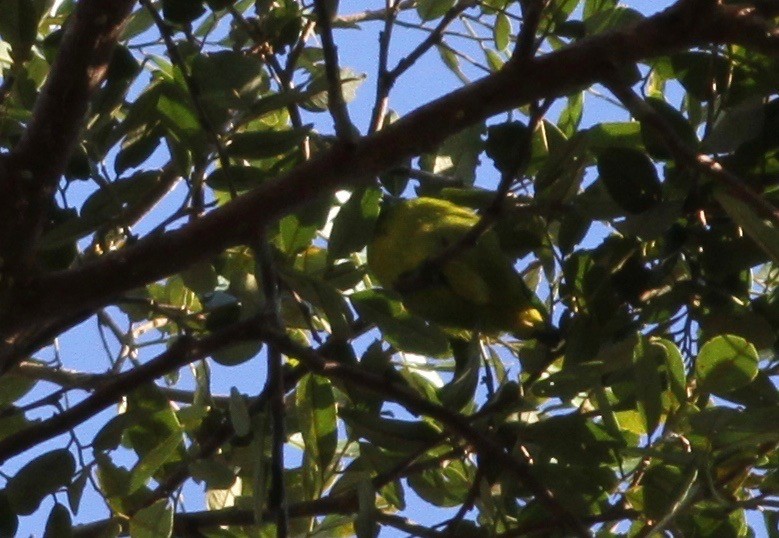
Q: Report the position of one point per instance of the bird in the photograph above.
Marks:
(476, 289)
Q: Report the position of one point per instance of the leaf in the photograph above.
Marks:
(443, 486)
(182, 11)
(155, 521)
(402, 436)
(317, 90)
(402, 329)
(354, 224)
(630, 178)
(76, 490)
(571, 116)
(612, 19)
(726, 363)
(762, 231)
(674, 369)
(607, 135)
(13, 387)
(501, 31)
(153, 421)
(265, 144)
(432, 9)
(660, 488)
(119, 196)
(315, 404)
(239, 414)
(18, 26)
(9, 522)
(507, 145)
(215, 473)
(38, 478)
(228, 78)
(648, 357)
(238, 178)
(58, 525)
(736, 125)
(704, 75)
(365, 525)
(457, 156)
(151, 462)
(654, 141)
(461, 389)
(235, 354)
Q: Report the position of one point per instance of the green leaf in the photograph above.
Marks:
(236, 354)
(354, 224)
(19, 26)
(365, 524)
(317, 90)
(401, 436)
(674, 369)
(655, 142)
(571, 116)
(121, 195)
(155, 521)
(501, 31)
(604, 136)
(58, 525)
(182, 11)
(726, 363)
(461, 389)
(648, 357)
(607, 20)
(151, 462)
(239, 414)
(266, 144)
(630, 178)
(13, 387)
(764, 232)
(591, 7)
(315, 404)
(153, 421)
(736, 125)
(508, 145)
(215, 473)
(228, 78)
(457, 156)
(443, 486)
(570, 381)
(660, 488)
(451, 61)
(9, 521)
(40, 477)
(238, 178)
(76, 490)
(703, 75)
(402, 329)
(432, 9)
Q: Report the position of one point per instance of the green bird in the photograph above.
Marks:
(477, 289)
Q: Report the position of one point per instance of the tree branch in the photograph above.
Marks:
(185, 350)
(344, 129)
(29, 175)
(49, 302)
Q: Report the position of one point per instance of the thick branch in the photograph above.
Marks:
(29, 176)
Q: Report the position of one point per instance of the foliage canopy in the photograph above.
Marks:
(193, 176)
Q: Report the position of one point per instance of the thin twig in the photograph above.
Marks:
(383, 83)
(274, 386)
(344, 129)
